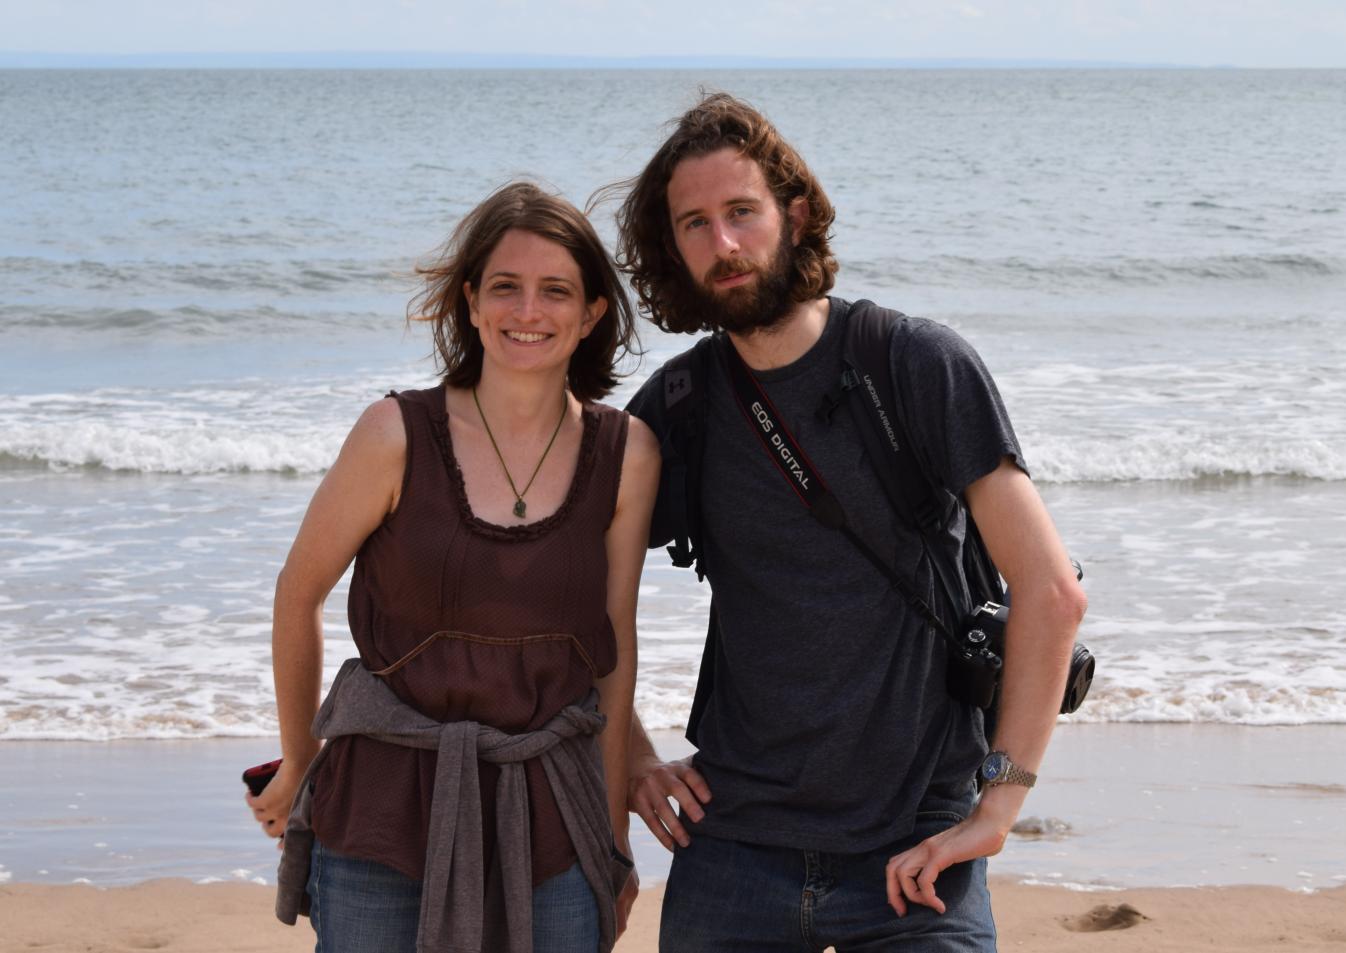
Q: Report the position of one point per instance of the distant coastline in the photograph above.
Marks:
(427, 60)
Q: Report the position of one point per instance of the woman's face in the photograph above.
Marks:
(529, 308)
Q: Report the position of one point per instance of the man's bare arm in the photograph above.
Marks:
(1048, 607)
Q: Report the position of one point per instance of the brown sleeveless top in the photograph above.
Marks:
(526, 612)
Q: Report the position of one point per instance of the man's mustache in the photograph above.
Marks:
(730, 268)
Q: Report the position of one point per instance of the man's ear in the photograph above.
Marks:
(798, 213)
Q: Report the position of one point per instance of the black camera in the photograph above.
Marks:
(975, 661)
(973, 675)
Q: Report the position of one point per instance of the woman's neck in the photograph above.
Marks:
(520, 402)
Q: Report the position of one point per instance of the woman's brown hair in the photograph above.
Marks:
(525, 207)
(645, 248)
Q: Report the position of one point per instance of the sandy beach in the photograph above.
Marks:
(235, 918)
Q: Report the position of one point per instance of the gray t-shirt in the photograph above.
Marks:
(828, 725)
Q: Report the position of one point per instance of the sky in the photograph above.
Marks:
(1252, 33)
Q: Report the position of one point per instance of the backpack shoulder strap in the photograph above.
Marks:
(685, 381)
(682, 450)
(872, 334)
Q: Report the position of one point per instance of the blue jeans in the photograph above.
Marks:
(727, 896)
(359, 906)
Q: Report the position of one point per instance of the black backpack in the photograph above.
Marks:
(865, 385)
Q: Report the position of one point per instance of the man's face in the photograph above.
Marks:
(736, 244)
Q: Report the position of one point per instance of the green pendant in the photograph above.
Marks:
(520, 508)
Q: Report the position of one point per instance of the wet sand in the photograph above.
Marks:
(1121, 805)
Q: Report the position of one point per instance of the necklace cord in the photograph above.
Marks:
(520, 507)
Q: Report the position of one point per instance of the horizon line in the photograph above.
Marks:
(422, 59)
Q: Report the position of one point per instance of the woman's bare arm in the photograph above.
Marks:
(355, 496)
(625, 542)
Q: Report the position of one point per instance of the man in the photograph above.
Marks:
(832, 798)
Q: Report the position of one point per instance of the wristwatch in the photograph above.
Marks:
(997, 768)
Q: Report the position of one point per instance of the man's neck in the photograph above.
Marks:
(766, 349)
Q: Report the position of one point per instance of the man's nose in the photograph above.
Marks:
(726, 244)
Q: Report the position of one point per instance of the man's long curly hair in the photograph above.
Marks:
(645, 248)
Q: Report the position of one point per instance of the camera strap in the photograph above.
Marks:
(794, 465)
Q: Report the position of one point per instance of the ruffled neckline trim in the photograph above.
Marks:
(439, 426)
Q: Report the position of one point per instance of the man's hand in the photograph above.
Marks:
(912, 873)
(648, 791)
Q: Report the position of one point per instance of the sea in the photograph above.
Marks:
(204, 278)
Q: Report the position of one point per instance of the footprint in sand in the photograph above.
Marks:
(1104, 917)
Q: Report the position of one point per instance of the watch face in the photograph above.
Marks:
(994, 767)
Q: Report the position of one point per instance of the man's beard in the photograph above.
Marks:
(751, 307)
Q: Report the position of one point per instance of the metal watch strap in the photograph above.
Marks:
(1013, 773)
(1018, 775)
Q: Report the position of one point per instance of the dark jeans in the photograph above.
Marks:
(359, 906)
(725, 896)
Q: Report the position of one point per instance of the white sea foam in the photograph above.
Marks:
(1207, 608)
(122, 699)
(292, 446)
(1182, 456)
(1054, 880)
(247, 426)
(167, 450)
(141, 609)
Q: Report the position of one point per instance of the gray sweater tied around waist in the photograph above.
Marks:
(462, 910)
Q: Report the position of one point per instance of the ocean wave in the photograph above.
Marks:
(1231, 704)
(277, 277)
(186, 449)
(1234, 703)
(1178, 457)
(235, 426)
(1075, 273)
(188, 321)
(665, 708)
(287, 446)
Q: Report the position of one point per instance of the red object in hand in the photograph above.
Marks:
(256, 777)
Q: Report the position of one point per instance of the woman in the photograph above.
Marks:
(498, 524)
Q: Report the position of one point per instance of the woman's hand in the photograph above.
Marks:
(271, 808)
